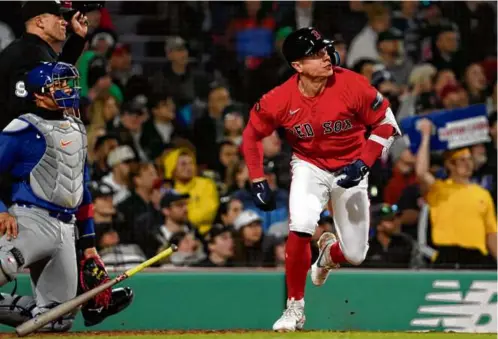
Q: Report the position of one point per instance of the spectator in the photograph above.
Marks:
(446, 54)
(175, 214)
(101, 113)
(391, 55)
(442, 79)
(280, 233)
(161, 128)
(364, 67)
(209, 128)
(389, 248)
(190, 250)
(403, 175)
(121, 67)
(229, 210)
(103, 146)
(280, 154)
(119, 161)
(252, 247)
(454, 204)
(454, 96)
(475, 83)
(484, 170)
(114, 254)
(363, 45)
(179, 78)
(220, 247)
(386, 84)
(130, 125)
(142, 179)
(233, 121)
(281, 212)
(237, 177)
(181, 168)
(409, 205)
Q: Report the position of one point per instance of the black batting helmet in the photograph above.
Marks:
(306, 41)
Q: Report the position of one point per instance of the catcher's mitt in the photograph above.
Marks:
(93, 274)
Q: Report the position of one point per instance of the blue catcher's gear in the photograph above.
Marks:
(57, 79)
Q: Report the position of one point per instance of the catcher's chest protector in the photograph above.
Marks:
(58, 176)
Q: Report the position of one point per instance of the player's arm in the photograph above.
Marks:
(84, 219)
(76, 43)
(262, 122)
(375, 112)
(422, 165)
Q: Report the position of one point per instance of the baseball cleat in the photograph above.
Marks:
(121, 299)
(293, 317)
(322, 266)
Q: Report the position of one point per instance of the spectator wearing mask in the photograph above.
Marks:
(463, 216)
(363, 45)
(119, 160)
(253, 248)
(391, 55)
(161, 128)
(281, 212)
(209, 129)
(142, 178)
(475, 83)
(229, 210)
(114, 254)
(389, 248)
(180, 167)
(220, 247)
(130, 125)
(190, 250)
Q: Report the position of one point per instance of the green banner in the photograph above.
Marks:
(350, 300)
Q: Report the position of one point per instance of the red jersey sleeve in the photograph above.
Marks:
(369, 103)
(263, 116)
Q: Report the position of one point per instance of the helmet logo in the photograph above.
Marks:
(316, 34)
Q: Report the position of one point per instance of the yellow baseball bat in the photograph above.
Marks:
(55, 313)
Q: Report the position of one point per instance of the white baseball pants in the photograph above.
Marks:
(311, 189)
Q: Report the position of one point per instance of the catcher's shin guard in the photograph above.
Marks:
(121, 299)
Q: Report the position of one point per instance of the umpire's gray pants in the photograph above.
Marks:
(48, 247)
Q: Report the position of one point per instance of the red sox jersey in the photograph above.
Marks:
(328, 130)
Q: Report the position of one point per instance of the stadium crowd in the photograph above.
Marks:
(164, 142)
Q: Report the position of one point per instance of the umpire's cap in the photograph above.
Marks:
(305, 42)
(32, 9)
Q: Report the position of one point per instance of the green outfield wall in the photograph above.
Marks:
(350, 300)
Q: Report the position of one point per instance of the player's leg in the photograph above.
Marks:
(352, 222)
(56, 282)
(308, 195)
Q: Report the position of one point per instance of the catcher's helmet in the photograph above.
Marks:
(306, 41)
(58, 79)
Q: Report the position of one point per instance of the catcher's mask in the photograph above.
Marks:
(58, 80)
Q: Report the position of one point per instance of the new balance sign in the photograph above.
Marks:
(449, 307)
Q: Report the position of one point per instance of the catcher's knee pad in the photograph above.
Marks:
(15, 309)
(11, 261)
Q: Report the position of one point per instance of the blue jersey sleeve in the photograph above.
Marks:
(84, 216)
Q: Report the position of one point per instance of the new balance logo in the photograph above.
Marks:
(449, 308)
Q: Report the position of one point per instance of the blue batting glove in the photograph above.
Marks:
(263, 196)
(354, 174)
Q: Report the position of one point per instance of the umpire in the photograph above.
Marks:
(44, 39)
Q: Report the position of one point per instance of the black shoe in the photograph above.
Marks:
(121, 298)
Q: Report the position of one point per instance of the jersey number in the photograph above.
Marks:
(21, 89)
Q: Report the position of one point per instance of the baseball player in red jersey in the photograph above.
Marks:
(337, 125)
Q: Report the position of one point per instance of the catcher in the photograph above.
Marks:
(45, 151)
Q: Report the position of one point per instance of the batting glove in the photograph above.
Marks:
(353, 174)
(263, 196)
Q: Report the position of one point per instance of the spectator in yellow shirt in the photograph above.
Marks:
(462, 214)
(180, 166)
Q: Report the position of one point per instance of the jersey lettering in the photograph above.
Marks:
(21, 89)
(304, 131)
(336, 126)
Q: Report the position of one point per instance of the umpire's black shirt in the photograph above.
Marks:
(21, 56)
